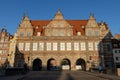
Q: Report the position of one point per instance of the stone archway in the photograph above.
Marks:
(37, 65)
(51, 64)
(80, 64)
(66, 64)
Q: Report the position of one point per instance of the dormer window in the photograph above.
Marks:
(78, 33)
(36, 27)
(38, 33)
(83, 26)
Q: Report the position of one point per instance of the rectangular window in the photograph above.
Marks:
(62, 46)
(5, 45)
(1, 45)
(35, 46)
(48, 46)
(115, 51)
(68, 46)
(76, 46)
(96, 33)
(83, 47)
(27, 46)
(97, 46)
(55, 46)
(0, 51)
(41, 46)
(38, 33)
(21, 45)
(90, 46)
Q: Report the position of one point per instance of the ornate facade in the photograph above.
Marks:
(4, 45)
(62, 44)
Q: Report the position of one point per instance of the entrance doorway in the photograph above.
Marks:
(80, 64)
(66, 64)
(37, 65)
(51, 64)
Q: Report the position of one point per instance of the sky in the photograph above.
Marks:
(11, 11)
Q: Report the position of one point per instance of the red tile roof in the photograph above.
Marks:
(77, 25)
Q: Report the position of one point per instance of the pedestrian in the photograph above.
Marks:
(100, 68)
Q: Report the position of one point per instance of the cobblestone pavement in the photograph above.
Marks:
(64, 75)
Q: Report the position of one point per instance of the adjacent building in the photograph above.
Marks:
(4, 45)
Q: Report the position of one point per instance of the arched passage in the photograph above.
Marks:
(37, 65)
(80, 64)
(66, 64)
(51, 64)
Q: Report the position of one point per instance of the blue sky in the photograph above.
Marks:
(11, 11)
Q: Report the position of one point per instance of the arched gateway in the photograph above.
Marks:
(51, 64)
(37, 65)
(66, 64)
(80, 64)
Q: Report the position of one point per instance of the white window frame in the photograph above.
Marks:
(55, 47)
(83, 46)
(76, 46)
(27, 46)
(41, 46)
(48, 46)
(62, 46)
(68, 46)
(21, 46)
(35, 46)
(90, 46)
(97, 46)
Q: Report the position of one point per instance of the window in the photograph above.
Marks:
(116, 58)
(21, 45)
(115, 51)
(5, 45)
(108, 47)
(54, 46)
(78, 33)
(27, 46)
(96, 33)
(68, 46)
(28, 34)
(38, 33)
(62, 33)
(97, 46)
(34, 46)
(83, 47)
(90, 46)
(0, 51)
(21, 34)
(62, 25)
(89, 33)
(55, 24)
(55, 33)
(41, 46)
(1, 45)
(62, 46)
(2, 39)
(76, 46)
(48, 46)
